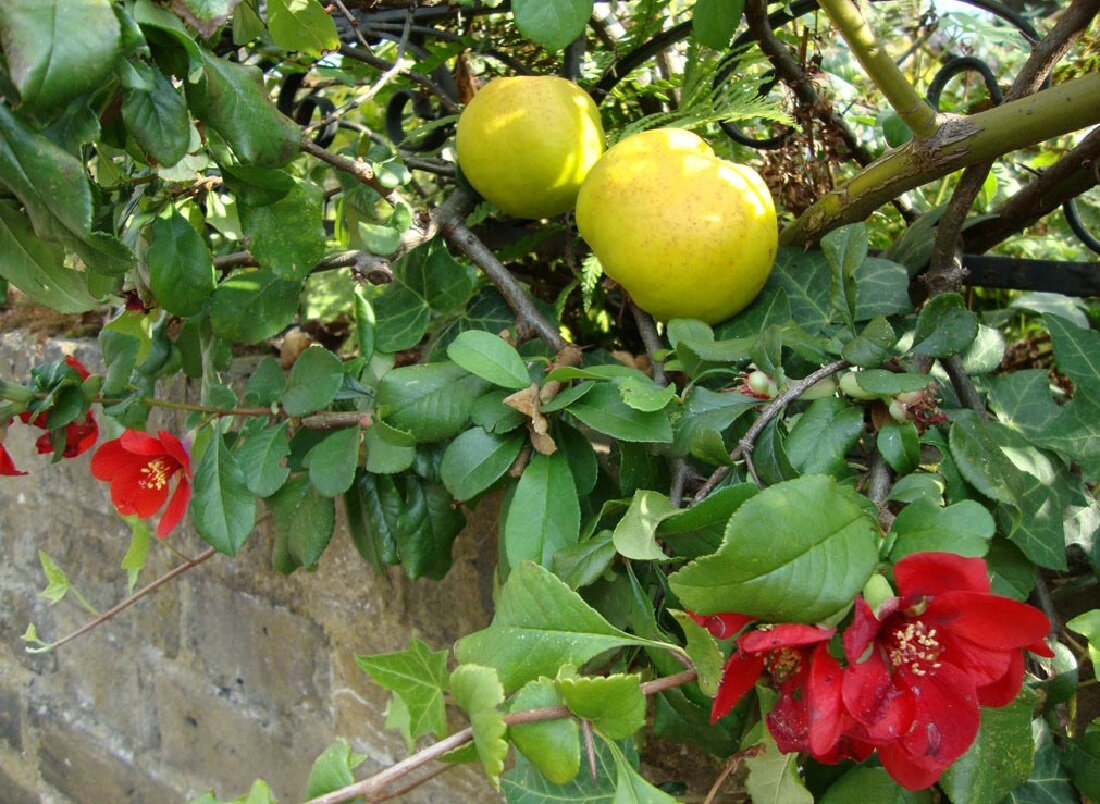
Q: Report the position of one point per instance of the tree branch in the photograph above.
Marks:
(363, 173)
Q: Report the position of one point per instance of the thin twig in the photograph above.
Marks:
(731, 766)
(964, 386)
(365, 56)
(134, 598)
(648, 330)
(363, 172)
(589, 747)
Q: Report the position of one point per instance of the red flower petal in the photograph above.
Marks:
(738, 676)
(7, 465)
(946, 715)
(871, 697)
(80, 437)
(43, 444)
(1004, 690)
(862, 632)
(983, 665)
(139, 443)
(925, 574)
(174, 448)
(824, 702)
(784, 635)
(788, 721)
(110, 459)
(722, 626)
(76, 364)
(133, 499)
(177, 507)
(908, 771)
(991, 621)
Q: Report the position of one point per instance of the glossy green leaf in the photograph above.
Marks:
(584, 563)
(899, 445)
(552, 746)
(540, 625)
(222, 508)
(314, 379)
(37, 267)
(181, 272)
(287, 236)
(635, 535)
(704, 652)
(489, 357)
(862, 785)
(986, 351)
(430, 400)
(872, 346)
(944, 327)
(773, 777)
(1085, 760)
(261, 456)
(796, 552)
(206, 16)
(389, 450)
(1049, 781)
(882, 289)
(48, 61)
(713, 22)
(525, 784)
(699, 530)
(491, 414)
(630, 787)
(823, 435)
(372, 505)
(1077, 352)
(845, 249)
(304, 520)
(477, 691)
(301, 25)
(544, 514)
(641, 393)
(253, 305)
(333, 461)
(157, 117)
(477, 459)
(924, 526)
(806, 278)
(1088, 626)
(613, 704)
(418, 676)
(1000, 759)
(333, 769)
(890, 383)
(603, 410)
(552, 23)
(266, 383)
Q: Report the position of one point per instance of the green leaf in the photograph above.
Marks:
(986, 352)
(881, 382)
(704, 652)
(630, 787)
(641, 393)
(333, 461)
(206, 16)
(38, 268)
(491, 414)
(552, 746)
(552, 23)
(181, 273)
(700, 529)
(1088, 626)
(583, 564)
(304, 521)
(266, 383)
(1076, 352)
(924, 526)
(425, 529)
(489, 357)
(1000, 758)
(540, 625)
(372, 504)
(333, 769)
(635, 535)
(872, 346)
(58, 585)
(713, 22)
(477, 459)
(261, 454)
(418, 676)
(287, 236)
(580, 455)
(253, 305)
(899, 445)
(427, 281)
(614, 704)
(895, 131)
(233, 102)
(389, 450)
(156, 116)
(314, 379)
(1048, 782)
(134, 560)
(806, 278)
(524, 784)
(1022, 400)
(222, 508)
(430, 400)
(845, 249)
(823, 435)
(773, 777)
(57, 50)
(301, 25)
(796, 552)
(1085, 761)
(364, 323)
(882, 289)
(944, 327)
(603, 409)
(1075, 434)
(477, 691)
(544, 514)
(862, 784)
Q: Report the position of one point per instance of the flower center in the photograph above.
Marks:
(915, 645)
(156, 472)
(783, 663)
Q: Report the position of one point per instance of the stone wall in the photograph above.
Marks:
(230, 672)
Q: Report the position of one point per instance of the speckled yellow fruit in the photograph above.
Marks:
(526, 143)
(688, 235)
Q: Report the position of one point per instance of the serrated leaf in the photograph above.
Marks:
(287, 236)
(773, 777)
(552, 746)
(38, 268)
(157, 117)
(418, 676)
(899, 445)
(314, 379)
(822, 436)
(872, 346)
(635, 535)
(614, 704)
(944, 327)
(430, 400)
(261, 455)
(544, 513)
(490, 358)
(222, 508)
(304, 520)
(301, 25)
(333, 461)
(181, 272)
(583, 564)
(477, 459)
(253, 305)
(704, 652)
(603, 409)
(796, 552)
(924, 526)
(552, 23)
(477, 691)
(713, 22)
(540, 625)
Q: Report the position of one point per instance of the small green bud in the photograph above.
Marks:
(877, 591)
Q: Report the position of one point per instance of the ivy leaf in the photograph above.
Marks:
(986, 352)
(845, 249)
(1049, 781)
(261, 455)
(222, 508)
(477, 691)
(823, 435)
(37, 267)
(540, 625)
(301, 25)
(157, 117)
(1000, 758)
(304, 521)
(552, 746)
(882, 289)
(477, 459)
(287, 236)
(490, 358)
(806, 278)
(253, 305)
(333, 461)
(635, 535)
(418, 676)
(333, 769)
(314, 379)
(798, 551)
(614, 704)
(704, 652)
(1076, 352)
(924, 526)
(871, 346)
(603, 409)
(524, 784)
(552, 23)
(181, 273)
(430, 400)
(49, 62)
(944, 327)
(713, 22)
(773, 776)
(1022, 400)
(1075, 434)
(544, 514)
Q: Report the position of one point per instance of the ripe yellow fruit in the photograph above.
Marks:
(526, 143)
(687, 234)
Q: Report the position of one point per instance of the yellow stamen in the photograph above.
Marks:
(157, 473)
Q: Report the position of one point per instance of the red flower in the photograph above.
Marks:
(139, 468)
(79, 437)
(7, 465)
(920, 668)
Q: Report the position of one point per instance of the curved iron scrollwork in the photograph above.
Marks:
(301, 111)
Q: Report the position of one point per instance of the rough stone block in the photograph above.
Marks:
(11, 718)
(14, 792)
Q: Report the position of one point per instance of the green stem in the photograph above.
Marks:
(959, 142)
(187, 406)
(910, 106)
